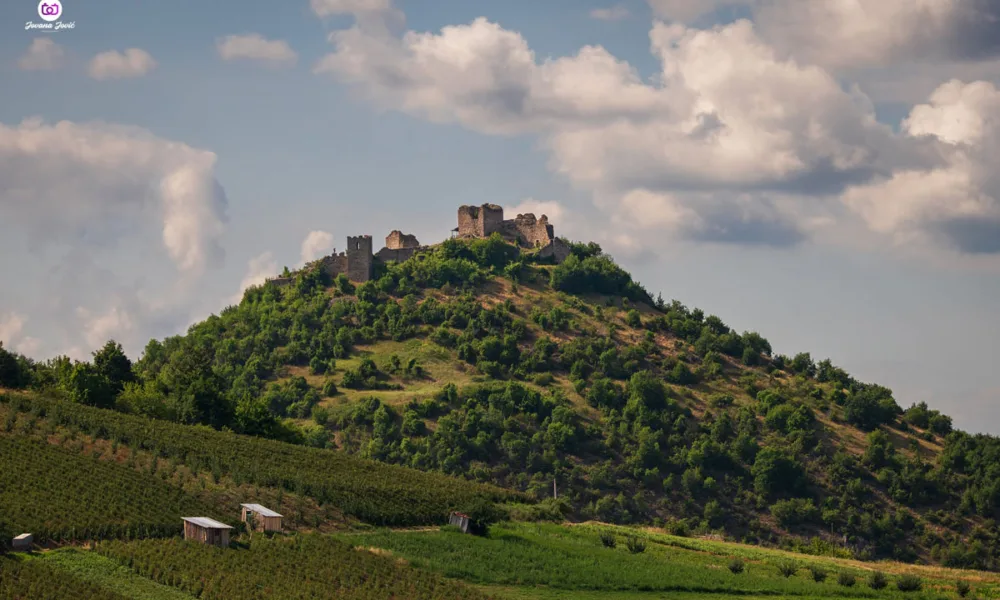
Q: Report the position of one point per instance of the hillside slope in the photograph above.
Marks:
(475, 359)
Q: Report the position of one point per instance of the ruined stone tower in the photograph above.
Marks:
(359, 257)
(479, 221)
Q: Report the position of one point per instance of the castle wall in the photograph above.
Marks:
(396, 254)
(359, 258)
(334, 264)
(535, 233)
(397, 239)
(556, 249)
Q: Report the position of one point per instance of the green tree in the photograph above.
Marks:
(776, 473)
(112, 364)
(87, 386)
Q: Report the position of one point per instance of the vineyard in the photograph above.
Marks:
(306, 566)
(34, 580)
(61, 496)
(370, 491)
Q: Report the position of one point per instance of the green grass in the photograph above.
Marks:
(548, 561)
(108, 574)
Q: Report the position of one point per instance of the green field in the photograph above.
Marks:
(59, 495)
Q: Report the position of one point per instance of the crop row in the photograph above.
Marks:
(305, 566)
(371, 491)
(34, 580)
(58, 495)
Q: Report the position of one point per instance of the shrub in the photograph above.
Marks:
(543, 379)
(635, 545)
(845, 579)
(908, 583)
(330, 388)
(818, 573)
(608, 539)
(787, 568)
(962, 588)
(736, 566)
(877, 580)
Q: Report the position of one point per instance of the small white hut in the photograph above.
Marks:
(206, 531)
(264, 519)
(22, 543)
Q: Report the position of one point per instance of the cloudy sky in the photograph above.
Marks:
(821, 171)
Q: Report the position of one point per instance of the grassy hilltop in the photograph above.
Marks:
(477, 361)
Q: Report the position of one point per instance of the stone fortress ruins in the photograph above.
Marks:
(357, 261)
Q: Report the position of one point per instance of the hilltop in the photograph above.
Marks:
(487, 359)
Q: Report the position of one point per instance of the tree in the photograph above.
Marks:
(870, 407)
(87, 386)
(112, 364)
(11, 369)
(775, 473)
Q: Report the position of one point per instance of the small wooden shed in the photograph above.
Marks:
(264, 519)
(206, 531)
(22, 543)
(460, 520)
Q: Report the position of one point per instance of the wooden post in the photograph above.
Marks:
(555, 492)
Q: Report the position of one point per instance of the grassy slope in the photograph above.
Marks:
(560, 561)
(108, 574)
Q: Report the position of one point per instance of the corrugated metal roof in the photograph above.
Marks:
(206, 522)
(261, 510)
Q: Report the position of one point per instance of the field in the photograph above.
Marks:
(58, 495)
(548, 561)
(36, 580)
(373, 492)
(307, 566)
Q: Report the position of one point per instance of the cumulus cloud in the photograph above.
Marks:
(726, 116)
(134, 62)
(958, 202)
(316, 245)
(686, 11)
(43, 55)
(254, 46)
(67, 183)
(12, 335)
(617, 12)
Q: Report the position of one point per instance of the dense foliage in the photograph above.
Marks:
(35, 580)
(373, 492)
(302, 567)
(638, 409)
(58, 495)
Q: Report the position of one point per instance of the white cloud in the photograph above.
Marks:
(316, 245)
(115, 323)
(134, 62)
(12, 338)
(259, 268)
(254, 46)
(43, 55)
(70, 183)
(617, 12)
(958, 202)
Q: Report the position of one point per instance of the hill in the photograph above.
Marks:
(477, 359)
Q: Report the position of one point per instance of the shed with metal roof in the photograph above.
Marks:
(261, 518)
(206, 530)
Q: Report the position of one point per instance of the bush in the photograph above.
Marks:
(818, 573)
(736, 566)
(877, 580)
(788, 568)
(608, 539)
(330, 388)
(635, 545)
(543, 379)
(908, 583)
(962, 588)
(845, 579)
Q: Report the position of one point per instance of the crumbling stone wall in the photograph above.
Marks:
(397, 239)
(532, 232)
(397, 254)
(359, 258)
(334, 265)
(557, 249)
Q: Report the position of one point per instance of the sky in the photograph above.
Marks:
(822, 172)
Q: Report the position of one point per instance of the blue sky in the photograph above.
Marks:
(793, 173)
